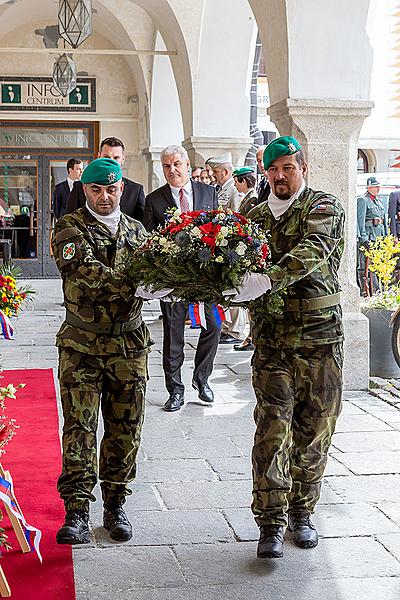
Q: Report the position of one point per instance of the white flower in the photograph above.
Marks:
(219, 259)
(241, 249)
(196, 232)
(223, 242)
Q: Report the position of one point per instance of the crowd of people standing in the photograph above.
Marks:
(103, 342)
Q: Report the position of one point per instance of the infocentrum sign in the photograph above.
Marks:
(39, 94)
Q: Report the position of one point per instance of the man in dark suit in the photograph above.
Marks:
(182, 192)
(62, 190)
(132, 199)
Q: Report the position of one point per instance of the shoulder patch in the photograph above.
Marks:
(68, 251)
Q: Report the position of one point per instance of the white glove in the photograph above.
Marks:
(149, 294)
(170, 298)
(253, 286)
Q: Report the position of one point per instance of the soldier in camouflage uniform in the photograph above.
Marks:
(103, 345)
(297, 364)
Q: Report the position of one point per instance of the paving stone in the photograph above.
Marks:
(231, 468)
(331, 521)
(367, 441)
(391, 510)
(348, 588)
(391, 541)
(348, 408)
(125, 568)
(360, 423)
(365, 463)
(159, 471)
(215, 426)
(344, 557)
(351, 520)
(170, 429)
(334, 467)
(366, 488)
(143, 498)
(166, 528)
(244, 442)
(205, 494)
(193, 448)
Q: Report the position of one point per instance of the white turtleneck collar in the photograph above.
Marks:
(111, 221)
(279, 207)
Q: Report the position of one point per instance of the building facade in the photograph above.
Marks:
(158, 72)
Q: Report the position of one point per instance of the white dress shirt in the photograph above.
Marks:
(189, 194)
(70, 183)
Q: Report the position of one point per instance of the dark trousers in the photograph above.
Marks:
(174, 315)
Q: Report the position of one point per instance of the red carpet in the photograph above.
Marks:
(34, 459)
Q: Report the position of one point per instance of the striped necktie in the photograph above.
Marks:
(183, 201)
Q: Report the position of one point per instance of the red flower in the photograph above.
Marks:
(210, 232)
(264, 251)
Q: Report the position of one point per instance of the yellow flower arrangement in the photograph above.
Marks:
(383, 255)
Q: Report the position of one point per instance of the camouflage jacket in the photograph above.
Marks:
(95, 290)
(306, 247)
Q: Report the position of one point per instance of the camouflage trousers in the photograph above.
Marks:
(117, 384)
(298, 401)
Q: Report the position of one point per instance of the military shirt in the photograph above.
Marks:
(228, 196)
(306, 247)
(96, 288)
(371, 218)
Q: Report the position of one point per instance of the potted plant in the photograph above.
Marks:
(379, 308)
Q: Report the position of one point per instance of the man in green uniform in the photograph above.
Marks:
(371, 223)
(297, 364)
(103, 345)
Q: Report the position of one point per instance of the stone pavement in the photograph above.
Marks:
(194, 536)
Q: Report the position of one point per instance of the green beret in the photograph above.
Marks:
(281, 146)
(243, 171)
(103, 171)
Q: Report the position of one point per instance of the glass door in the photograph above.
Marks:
(20, 212)
(54, 172)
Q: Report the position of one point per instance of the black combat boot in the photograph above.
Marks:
(116, 522)
(75, 529)
(270, 544)
(303, 531)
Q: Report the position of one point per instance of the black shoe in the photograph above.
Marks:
(270, 544)
(116, 522)
(244, 346)
(174, 402)
(303, 531)
(228, 339)
(75, 529)
(205, 392)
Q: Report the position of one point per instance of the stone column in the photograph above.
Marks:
(202, 148)
(328, 131)
(155, 177)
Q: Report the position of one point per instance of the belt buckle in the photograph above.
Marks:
(305, 303)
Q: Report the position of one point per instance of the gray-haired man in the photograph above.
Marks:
(182, 192)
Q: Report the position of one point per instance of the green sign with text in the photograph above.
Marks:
(39, 94)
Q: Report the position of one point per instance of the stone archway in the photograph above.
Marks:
(324, 107)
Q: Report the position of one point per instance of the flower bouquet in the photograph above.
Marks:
(11, 296)
(199, 254)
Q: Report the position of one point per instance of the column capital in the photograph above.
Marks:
(201, 148)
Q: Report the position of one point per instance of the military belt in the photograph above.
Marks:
(117, 328)
(304, 304)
